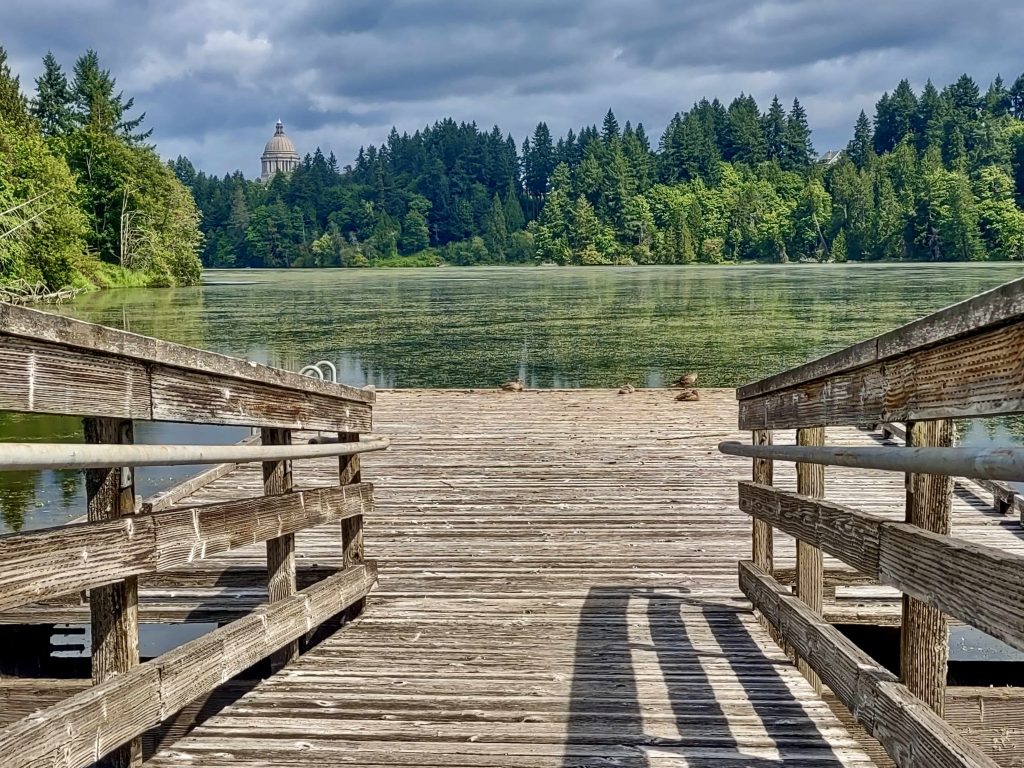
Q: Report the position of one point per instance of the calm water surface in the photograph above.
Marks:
(477, 327)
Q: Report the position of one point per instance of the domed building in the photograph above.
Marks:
(279, 154)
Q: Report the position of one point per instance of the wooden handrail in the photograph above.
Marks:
(56, 561)
(908, 730)
(34, 325)
(83, 728)
(999, 306)
(982, 586)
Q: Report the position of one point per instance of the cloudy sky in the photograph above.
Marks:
(214, 75)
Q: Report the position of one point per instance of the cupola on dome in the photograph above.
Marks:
(279, 154)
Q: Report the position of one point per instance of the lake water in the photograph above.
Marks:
(479, 326)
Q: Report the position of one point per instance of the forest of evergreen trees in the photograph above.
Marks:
(932, 176)
(84, 201)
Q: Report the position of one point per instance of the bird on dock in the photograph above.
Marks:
(688, 380)
(688, 396)
(627, 389)
(512, 386)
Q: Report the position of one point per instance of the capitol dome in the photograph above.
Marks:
(279, 154)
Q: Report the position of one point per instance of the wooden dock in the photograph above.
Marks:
(557, 588)
(545, 578)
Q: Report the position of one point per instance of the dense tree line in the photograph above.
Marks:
(83, 199)
(933, 176)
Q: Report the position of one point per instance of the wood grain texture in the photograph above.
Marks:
(924, 634)
(170, 496)
(810, 481)
(911, 733)
(86, 726)
(277, 479)
(51, 562)
(763, 538)
(968, 377)
(182, 395)
(37, 326)
(114, 608)
(1000, 306)
(46, 378)
(977, 584)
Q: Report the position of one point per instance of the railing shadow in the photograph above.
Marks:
(612, 702)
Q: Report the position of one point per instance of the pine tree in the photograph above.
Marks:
(13, 105)
(1017, 98)
(744, 135)
(542, 162)
(96, 104)
(610, 128)
(860, 150)
(797, 151)
(495, 229)
(52, 103)
(775, 130)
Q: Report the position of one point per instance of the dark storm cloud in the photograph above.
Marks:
(213, 75)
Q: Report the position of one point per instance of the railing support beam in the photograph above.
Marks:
(350, 471)
(281, 584)
(810, 571)
(114, 608)
(924, 635)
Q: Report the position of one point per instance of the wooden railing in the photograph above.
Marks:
(966, 361)
(56, 365)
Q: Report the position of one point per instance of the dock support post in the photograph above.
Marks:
(114, 608)
(924, 634)
(810, 576)
(763, 543)
(350, 471)
(281, 583)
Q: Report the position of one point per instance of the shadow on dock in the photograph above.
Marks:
(689, 640)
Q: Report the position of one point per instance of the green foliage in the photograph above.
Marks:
(925, 179)
(82, 201)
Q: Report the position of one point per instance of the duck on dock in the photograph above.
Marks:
(686, 380)
(512, 386)
(688, 396)
(627, 389)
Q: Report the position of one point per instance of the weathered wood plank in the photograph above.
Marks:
(810, 481)
(1001, 305)
(44, 326)
(970, 377)
(912, 734)
(55, 561)
(763, 540)
(181, 395)
(977, 584)
(277, 479)
(924, 634)
(46, 378)
(83, 728)
(114, 608)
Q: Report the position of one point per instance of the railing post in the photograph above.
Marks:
(924, 633)
(763, 543)
(810, 576)
(277, 479)
(350, 471)
(114, 608)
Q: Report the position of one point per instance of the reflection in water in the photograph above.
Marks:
(590, 327)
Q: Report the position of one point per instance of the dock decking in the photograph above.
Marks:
(558, 587)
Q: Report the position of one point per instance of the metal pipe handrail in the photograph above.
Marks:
(28, 456)
(976, 463)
